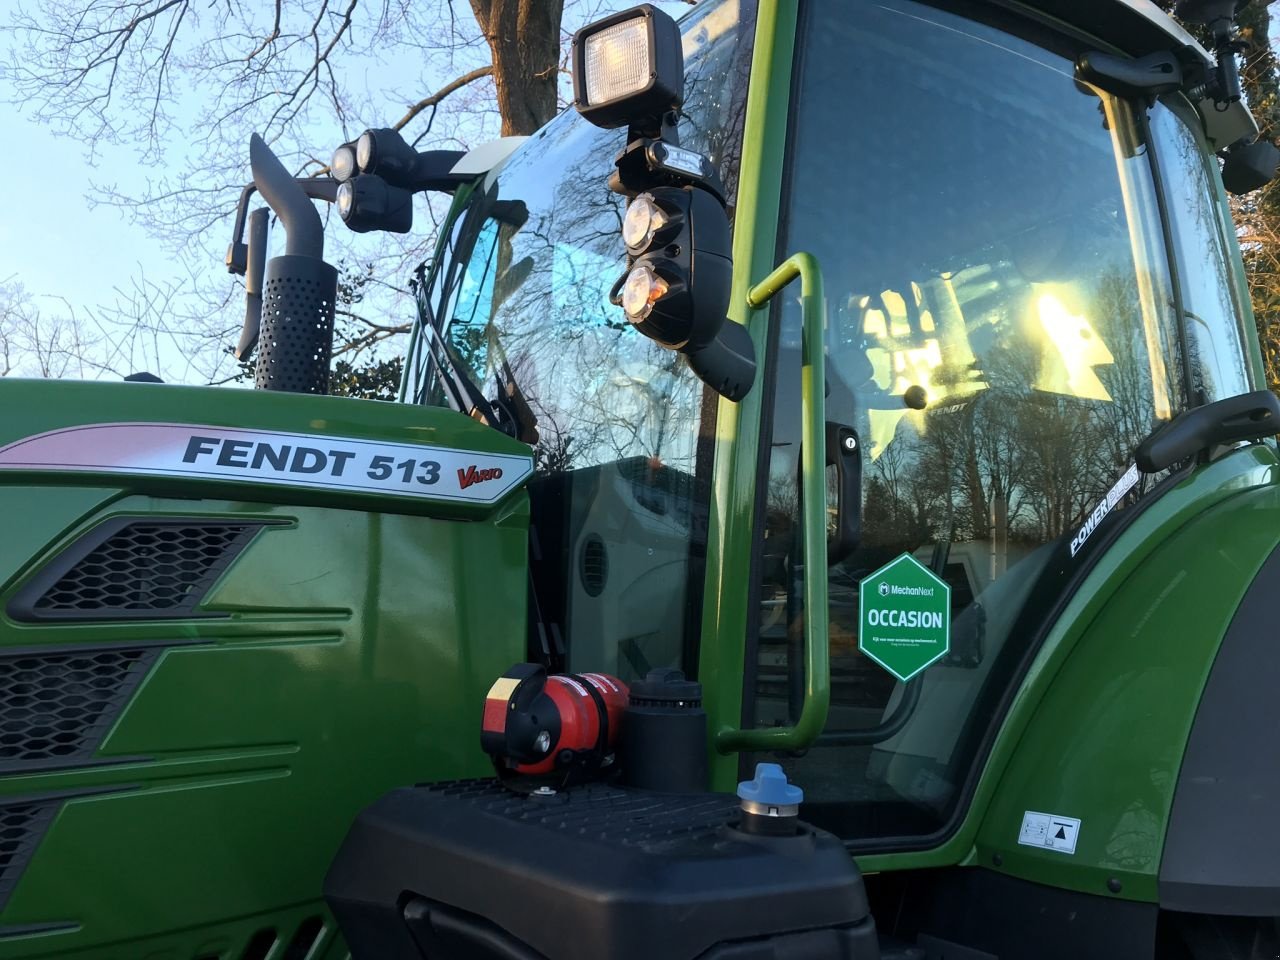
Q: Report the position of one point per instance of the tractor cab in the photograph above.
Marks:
(1028, 271)
(831, 512)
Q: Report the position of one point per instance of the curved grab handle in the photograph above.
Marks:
(813, 417)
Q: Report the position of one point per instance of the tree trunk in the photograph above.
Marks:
(524, 38)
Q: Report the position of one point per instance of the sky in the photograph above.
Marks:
(50, 239)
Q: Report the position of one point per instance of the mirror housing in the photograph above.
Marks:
(1249, 166)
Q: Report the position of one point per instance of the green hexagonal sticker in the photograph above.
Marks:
(904, 611)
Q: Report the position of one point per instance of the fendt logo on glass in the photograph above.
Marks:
(259, 456)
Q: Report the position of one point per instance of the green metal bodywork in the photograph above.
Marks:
(1116, 688)
(337, 669)
(727, 617)
(1097, 727)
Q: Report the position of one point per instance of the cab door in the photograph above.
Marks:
(999, 335)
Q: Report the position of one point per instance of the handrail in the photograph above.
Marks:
(813, 416)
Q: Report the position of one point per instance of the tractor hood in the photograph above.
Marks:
(273, 447)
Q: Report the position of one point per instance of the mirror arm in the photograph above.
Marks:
(255, 269)
(1249, 416)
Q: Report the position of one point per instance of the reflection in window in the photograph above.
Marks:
(622, 456)
(1000, 338)
(1219, 367)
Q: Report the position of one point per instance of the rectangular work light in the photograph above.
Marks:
(628, 69)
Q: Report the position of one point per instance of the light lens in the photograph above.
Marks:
(616, 61)
(642, 289)
(346, 199)
(679, 160)
(364, 151)
(343, 164)
(644, 218)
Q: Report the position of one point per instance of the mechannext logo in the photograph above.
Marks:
(908, 591)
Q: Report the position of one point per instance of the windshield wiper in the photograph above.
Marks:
(509, 410)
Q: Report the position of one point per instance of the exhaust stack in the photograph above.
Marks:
(296, 334)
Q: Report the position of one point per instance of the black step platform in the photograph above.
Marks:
(470, 870)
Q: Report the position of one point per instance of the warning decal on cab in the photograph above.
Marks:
(258, 456)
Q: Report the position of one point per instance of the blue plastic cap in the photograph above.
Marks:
(770, 787)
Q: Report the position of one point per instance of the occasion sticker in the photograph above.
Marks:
(292, 459)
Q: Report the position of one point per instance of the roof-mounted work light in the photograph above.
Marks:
(368, 202)
(385, 152)
(628, 69)
(343, 165)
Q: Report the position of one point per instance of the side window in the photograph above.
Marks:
(1218, 361)
(622, 431)
(999, 338)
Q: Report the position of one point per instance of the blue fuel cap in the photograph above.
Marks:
(770, 789)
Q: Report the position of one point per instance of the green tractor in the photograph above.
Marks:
(860, 401)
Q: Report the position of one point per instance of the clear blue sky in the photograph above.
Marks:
(49, 238)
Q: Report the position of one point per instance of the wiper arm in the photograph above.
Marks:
(515, 406)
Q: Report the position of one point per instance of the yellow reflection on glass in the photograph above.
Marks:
(711, 27)
(1071, 348)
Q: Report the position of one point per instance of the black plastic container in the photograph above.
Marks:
(664, 738)
(473, 871)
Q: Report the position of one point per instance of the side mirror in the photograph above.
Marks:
(1249, 166)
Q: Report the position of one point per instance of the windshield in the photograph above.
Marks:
(619, 426)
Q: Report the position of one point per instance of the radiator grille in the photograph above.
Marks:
(136, 569)
(59, 706)
(21, 827)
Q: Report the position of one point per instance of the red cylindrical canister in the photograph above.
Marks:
(580, 715)
(537, 724)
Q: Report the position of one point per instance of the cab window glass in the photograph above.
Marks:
(999, 339)
(1219, 367)
(621, 428)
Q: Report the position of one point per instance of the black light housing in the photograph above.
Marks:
(368, 202)
(384, 152)
(628, 69)
(676, 288)
(1249, 166)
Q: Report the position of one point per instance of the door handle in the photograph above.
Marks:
(813, 416)
(844, 452)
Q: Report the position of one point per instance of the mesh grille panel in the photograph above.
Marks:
(21, 827)
(136, 569)
(59, 706)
